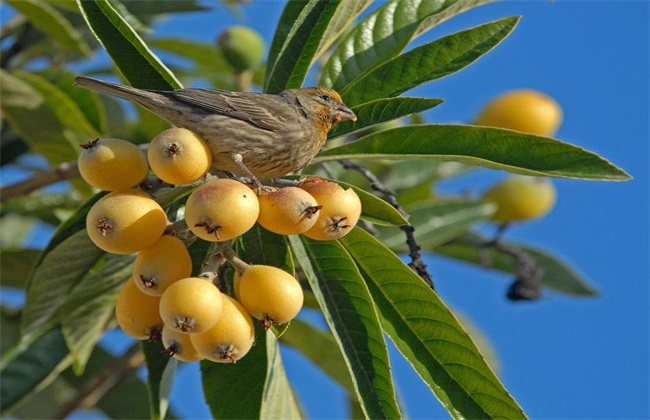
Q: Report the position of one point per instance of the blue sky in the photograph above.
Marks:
(560, 357)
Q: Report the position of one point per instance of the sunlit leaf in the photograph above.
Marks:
(493, 148)
(350, 314)
(384, 33)
(279, 401)
(129, 52)
(53, 24)
(427, 62)
(288, 64)
(428, 335)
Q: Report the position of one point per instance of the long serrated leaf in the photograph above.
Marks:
(320, 348)
(27, 366)
(383, 110)
(278, 400)
(89, 305)
(294, 58)
(58, 271)
(53, 24)
(160, 377)
(427, 62)
(129, 52)
(428, 335)
(384, 33)
(557, 275)
(350, 314)
(493, 148)
(437, 221)
(236, 391)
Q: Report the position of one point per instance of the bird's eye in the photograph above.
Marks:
(326, 98)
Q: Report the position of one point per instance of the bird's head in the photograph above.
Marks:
(326, 105)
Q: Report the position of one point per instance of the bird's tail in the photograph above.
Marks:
(113, 89)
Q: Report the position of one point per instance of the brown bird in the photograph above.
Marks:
(253, 134)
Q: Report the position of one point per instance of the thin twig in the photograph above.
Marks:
(417, 264)
(103, 381)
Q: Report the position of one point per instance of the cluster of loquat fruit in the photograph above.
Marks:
(195, 319)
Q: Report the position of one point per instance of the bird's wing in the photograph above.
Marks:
(261, 110)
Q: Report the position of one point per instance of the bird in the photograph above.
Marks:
(262, 136)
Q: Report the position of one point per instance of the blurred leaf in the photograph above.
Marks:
(147, 9)
(129, 52)
(428, 62)
(160, 377)
(350, 314)
(89, 305)
(45, 207)
(17, 93)
(279, 401)
(437, 221)
(236, 391)
(493, 148)
(383, 110)
(53, 24)
(54, 276)
(558, 275)
(383, 34)
(14, 228)
(428, 335)
(29, 366)
(287, 69)
(321, 349)
(16, 266)
(87, 102)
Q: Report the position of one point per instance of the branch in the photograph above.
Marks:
(391, 197)
(103, 381)
(63, 172)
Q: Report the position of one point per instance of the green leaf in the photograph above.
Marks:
(342, 19)
(492, 148)
(320, 348)
(30, 366)
(16, 266)
(88, 307)
(383, 110)
(350, 314)
(129, 52)
(558, 275)
(53, 24)
(17, 93)
(428, 62)
(428, 335)
(65, 108)
(278, 400)
(55, 275)
(236, 391)
(288, 68)
(259, 246)
(160, 377)
(437, 221)
(384, 33)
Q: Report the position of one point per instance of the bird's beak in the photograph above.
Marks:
(343, 113)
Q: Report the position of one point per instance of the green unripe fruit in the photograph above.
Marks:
(242, 47)
(521, 198)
